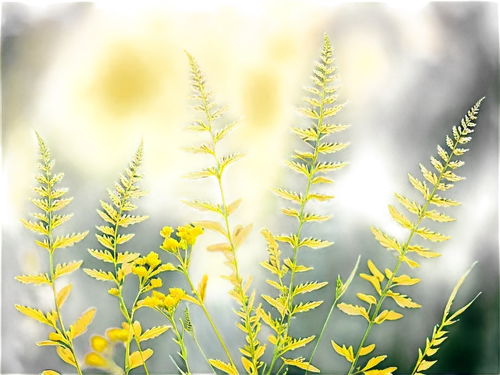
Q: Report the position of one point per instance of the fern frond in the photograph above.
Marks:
(249, 320)
(322, 104)
(432, 345)
(52, 200)
(117, 214)
(444, 173)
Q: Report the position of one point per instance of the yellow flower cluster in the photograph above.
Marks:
(171, 245)
(151, 260)
(147, 267)
(165, 302)
(166, 232)
(187, 235)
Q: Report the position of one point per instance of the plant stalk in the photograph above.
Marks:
(289, 314)
(404, 250)
(52, 273)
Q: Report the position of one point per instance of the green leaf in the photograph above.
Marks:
(308, 287)
(103, 255)
(306, 112)
(204, 173)
(99, 275)
(298, 167)
(33, 314)
(34, 279)
(300, 363)
(328, 167)
(308, 134)
(229, 159)
(35, 227)
(289, 195)
(455, 290)
(386, 241)
(347, 353)
(297, 343)
(314, 243)
(303, 307)
(387, 315)
(354, 310)
(203, 206)
(66, 268)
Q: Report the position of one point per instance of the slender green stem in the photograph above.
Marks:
(202, 353)
(339, 292)
(273, 361)
(322, 331)
(404, 250)
(244, 299)
(52, 273)
(281, 368)
(180, 339)
(63, 330)
(135, 337)
(130, 321)
(202, 305)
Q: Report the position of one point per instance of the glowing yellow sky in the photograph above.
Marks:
(122, 72)
(120, 75)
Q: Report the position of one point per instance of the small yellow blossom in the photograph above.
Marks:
(140, 271)
(170, 245)
(189, 233)
(149, 302)
(139, 261)
(117, 334)
(170, 302)
(158, 295)
(98, 343)
(153, 260)
(177, 293)
(182, 231)
(197, 231)
(156, 283)
(166, 232)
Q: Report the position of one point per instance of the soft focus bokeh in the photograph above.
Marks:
(92, 79)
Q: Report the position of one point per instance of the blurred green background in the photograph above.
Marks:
(93, 78)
